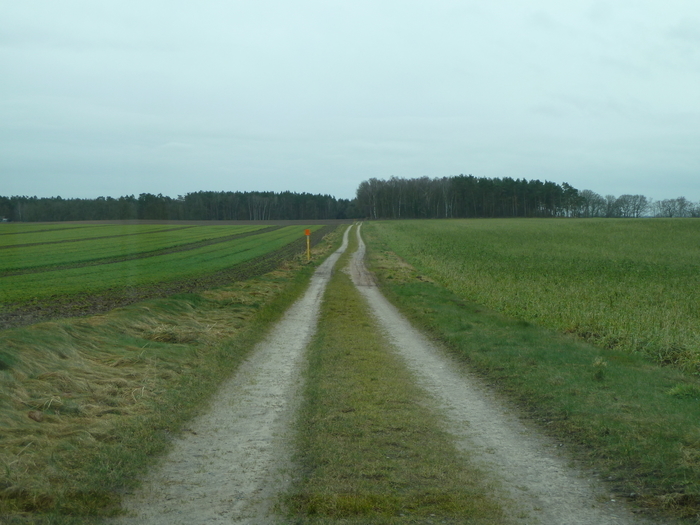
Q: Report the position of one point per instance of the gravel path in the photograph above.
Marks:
(234, 460)
(545, 489)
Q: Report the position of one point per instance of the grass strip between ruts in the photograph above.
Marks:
(370, 448)
(637, 421)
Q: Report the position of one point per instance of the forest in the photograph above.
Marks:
(466, 196)
(461, 196)
(202, 205)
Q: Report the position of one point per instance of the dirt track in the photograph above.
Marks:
(232, 463)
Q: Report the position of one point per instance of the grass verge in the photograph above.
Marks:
(370, 448)
(636, 421)
(86, 405)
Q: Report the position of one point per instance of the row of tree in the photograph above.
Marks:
(595, 205)
(396, 198)
(203, 205)
(468, 196)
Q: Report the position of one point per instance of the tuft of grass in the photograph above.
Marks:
(370, 447)
(88, 404)
(633, 420)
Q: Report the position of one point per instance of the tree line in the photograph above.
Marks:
(467, 196)
(462, 196)
(202, 205)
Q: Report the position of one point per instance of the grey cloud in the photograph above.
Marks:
(171, 97)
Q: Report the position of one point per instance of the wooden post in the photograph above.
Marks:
(308, 244)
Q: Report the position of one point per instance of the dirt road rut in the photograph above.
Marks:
(234, 460)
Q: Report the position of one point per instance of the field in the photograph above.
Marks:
(632, 285)
(574, 322)
(86, 404)
(52, 270)
(625, 412)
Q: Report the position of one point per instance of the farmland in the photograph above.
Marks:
(632, 285)
(87, 403)
(47, 270)
(111, 389)
(625, 414)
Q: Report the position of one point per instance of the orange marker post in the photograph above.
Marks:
(308, 244)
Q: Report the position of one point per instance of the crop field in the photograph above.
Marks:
(79, 245)
(45, 269)
(87, 403)
(631, 285)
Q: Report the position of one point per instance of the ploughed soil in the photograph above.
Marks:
(80, 305)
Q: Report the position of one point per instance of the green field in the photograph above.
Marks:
(39, 267)
(632, 285)
(519, 301)
(88, 403)
(625, 415)
(79, 245)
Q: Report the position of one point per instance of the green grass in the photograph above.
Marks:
(109, 391)
(124, 241)
(371, 451)
(631, 419)
(138, 272)
(632, 285)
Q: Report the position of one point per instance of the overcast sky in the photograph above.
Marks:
(125, 97)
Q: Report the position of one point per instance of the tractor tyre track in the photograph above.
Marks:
(143, 255)
(100, 237)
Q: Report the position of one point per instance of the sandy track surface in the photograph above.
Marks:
(234, 460)
(544, 488)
